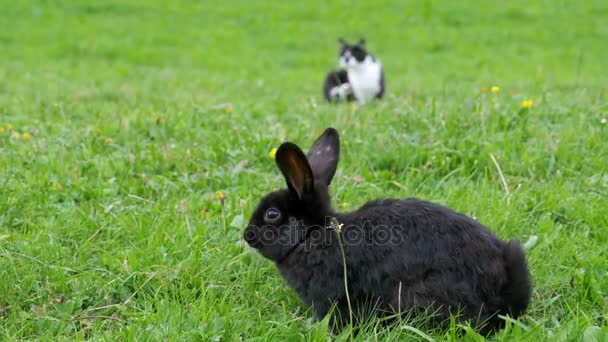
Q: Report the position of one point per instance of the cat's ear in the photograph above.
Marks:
(342, 41)
(362, 41)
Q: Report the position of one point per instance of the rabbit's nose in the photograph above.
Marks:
(251, 237)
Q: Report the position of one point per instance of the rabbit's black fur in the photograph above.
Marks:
(401, 255)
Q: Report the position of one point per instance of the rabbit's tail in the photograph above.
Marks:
(517, 290)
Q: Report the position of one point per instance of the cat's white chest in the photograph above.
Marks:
(365, 80)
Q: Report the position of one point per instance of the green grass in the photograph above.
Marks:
(109, 223)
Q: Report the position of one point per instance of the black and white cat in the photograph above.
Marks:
(359, 78)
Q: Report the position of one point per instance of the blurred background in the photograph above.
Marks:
(213, 51)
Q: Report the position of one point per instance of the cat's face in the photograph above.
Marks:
(351, 55)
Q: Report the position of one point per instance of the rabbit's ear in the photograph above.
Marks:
(324, 154)
(295, 168)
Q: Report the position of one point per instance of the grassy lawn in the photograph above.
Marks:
(121, 119)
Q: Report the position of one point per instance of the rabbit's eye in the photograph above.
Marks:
(272, 215)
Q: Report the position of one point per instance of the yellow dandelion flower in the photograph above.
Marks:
(1, 129)
(26, 136)
(527, 103)
(219, 195)
(228, 110)
(107, 141)
(9, 126)
(273, 153)
(495, 89)
(16, 135)
(484, 89)
(345, 204)
(57, 186)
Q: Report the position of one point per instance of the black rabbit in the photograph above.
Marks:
(401, 255)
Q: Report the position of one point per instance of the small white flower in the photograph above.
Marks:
(337, 226)
(603, 121)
